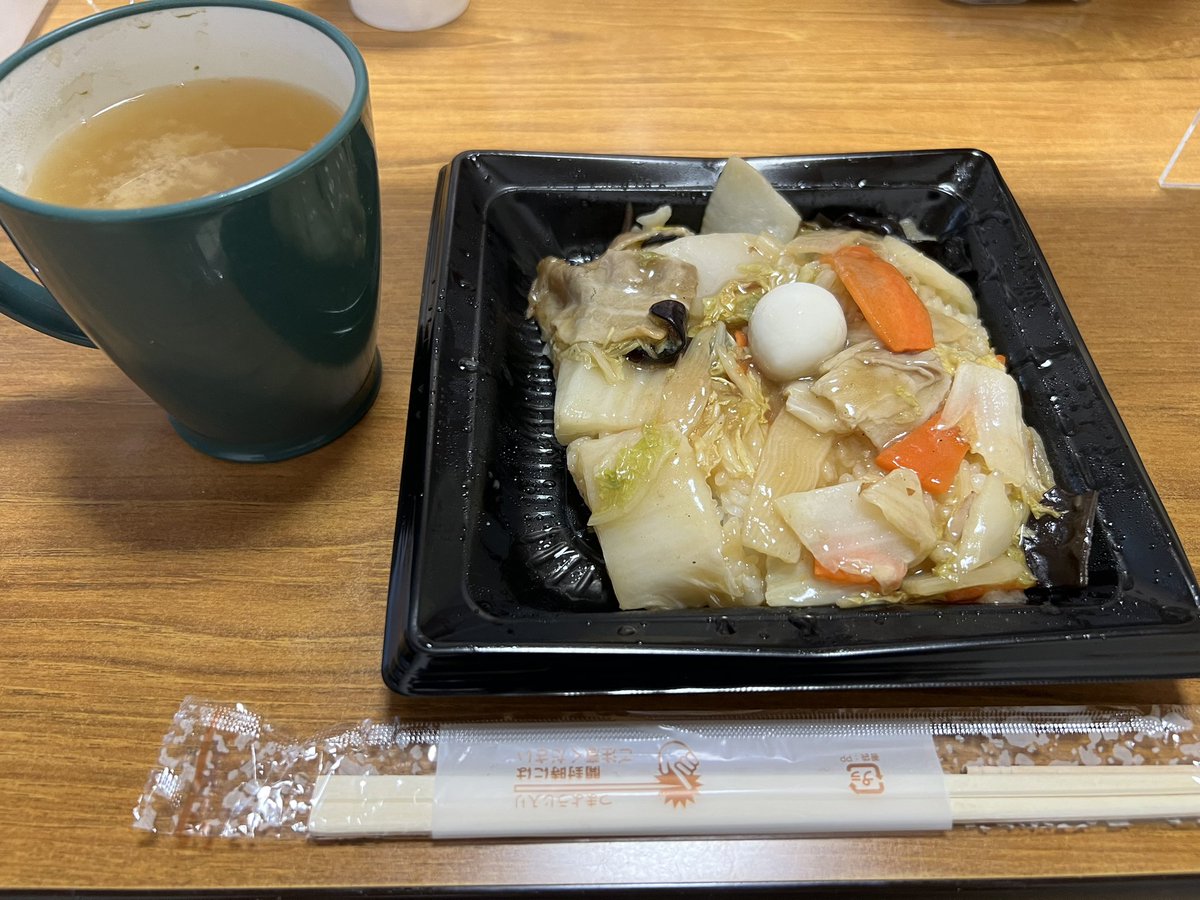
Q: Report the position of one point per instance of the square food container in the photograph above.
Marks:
(497, 586)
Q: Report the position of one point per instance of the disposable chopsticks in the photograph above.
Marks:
(378, 805)
(1016, 794)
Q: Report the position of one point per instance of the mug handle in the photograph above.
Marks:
(31, 304)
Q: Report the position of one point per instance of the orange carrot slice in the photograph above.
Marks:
(840, 576)
(931, 450)
(887, 301)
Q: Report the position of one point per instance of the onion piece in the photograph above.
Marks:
(816, 412)
(899, 497)
(914, 263)
(989, 526)
(744, 201)
(881, 393)
(822, 241)
(657, 218)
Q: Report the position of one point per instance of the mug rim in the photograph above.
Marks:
(207, 202)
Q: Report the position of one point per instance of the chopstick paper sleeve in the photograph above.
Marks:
(764, 777)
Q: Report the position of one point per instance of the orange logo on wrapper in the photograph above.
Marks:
(677, 768)
(865, 778)
(576, 778)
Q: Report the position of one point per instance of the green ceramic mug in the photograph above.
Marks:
(248, 315)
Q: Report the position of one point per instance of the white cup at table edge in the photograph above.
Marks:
(407, 15)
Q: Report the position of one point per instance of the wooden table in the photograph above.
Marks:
(134, 571)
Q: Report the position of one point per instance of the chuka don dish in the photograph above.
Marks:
(773, 412)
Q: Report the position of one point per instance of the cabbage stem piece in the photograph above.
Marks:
(690, 384)
(793, 584)
(1004, 573)
(588, 404)
(658, 524)
(720, 258)
(986, 406)
(846, 533)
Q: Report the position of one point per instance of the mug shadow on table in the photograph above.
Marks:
(144, 488)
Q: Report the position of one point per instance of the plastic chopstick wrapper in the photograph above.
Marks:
(225, 771)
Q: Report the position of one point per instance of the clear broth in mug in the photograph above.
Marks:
(181, 141)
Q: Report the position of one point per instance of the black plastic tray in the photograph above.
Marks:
(498, 588)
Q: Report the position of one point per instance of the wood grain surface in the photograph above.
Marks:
(135, 571)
